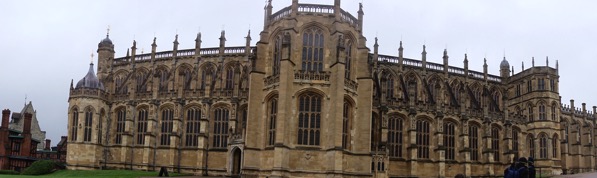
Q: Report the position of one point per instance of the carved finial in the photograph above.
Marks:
(445, 52)
(360, 6)
(127, 52)
(153, 41)
(522, 66)
(465, 57)
(176, 38)
(108, 31)
(424, 48)
(512, 70)
(134, 43)
(91, 56)
(533, 62)
(485, 61)
(547, 61)
(400, 43)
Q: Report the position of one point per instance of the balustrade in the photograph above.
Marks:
(312, 75)
(316, 8)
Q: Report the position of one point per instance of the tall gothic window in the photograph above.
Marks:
(473, 142)
(554, 143)
(272, 115)
(529, 86)
(565, 125)
(277, 55)
(422, 139)
(140, 81)
(346, 124)
(553, 112)
(309, 118)
(388, 86)
(193, 125)
(449, 140)
(518, 90)
(88, 123)
(543, 146)
(542, 114)
(312, 58)
(348, 64)
(163, 83)
(531, 145)
(514, 140)
(229, 79)
(120, 121)
(141, 126)
(220, 128)
(495, 143)
(74, 124)
(531, 114)
(167, 126)
(395, 126)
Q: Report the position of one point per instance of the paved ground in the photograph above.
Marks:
(583, 175)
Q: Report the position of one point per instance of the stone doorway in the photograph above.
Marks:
(236, 162)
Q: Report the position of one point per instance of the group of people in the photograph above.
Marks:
(521, 168)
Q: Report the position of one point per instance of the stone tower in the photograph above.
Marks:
(105, 51)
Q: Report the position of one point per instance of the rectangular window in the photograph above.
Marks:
(120, 121)
(552, 85)
(495, 143)
(474, 143)
(220, 129)
(193, 125)
(273, 112)
(88, 123)
(514, 140)
(529, 86)
(141, 127)
(74, 126)
(541, 83)
(395, 137)
(422, 140)
(518, 90)
(167, 125)
(542, 114)
(346, 125)
(449, 140)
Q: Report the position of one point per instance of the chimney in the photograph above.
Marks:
(5, 116)
(26, 145)
(48, 141)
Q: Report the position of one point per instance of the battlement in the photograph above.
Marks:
(578, 111)
(314, 9)
(533, 71)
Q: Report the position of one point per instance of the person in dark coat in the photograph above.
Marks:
(522, 167)
(531, 167)
(512, 166)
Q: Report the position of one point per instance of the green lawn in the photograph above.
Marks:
(94, 174)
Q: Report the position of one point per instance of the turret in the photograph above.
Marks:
(424, 59)
(465, 65)
(505, 69)
(222, 42)
(105, 54)
(361, 14)
(198, 45)
(400, 56)
(445, 57)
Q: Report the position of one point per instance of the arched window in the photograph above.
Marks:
(531, 144)
(395, 126)
(456, 91)
(348, 64)
(141, 126)
(495, 143)
(473, 142)
(141, 77)
(163, 83)
(346, 124)
(449, 140)
(74, 124)
(120, 121)
(312, 58)
(193, 125)
(309, 118)
(167, 125)
(277, 55)
(220, 127)
(531, 114)
(422, 139)
(88, 123)
(273, 114)
(543, 146)
(515, 141)
(542, 114)
(229, 79)
(553, 112)
(554, 143)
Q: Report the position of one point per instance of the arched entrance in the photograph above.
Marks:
(236, 162)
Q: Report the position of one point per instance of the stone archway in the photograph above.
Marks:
(236, 162)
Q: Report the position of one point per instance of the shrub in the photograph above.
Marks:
(40, 167)
(8, 172)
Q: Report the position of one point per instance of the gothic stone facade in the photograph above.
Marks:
(311, 100)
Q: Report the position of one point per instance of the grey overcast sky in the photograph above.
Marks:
(45, 44)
